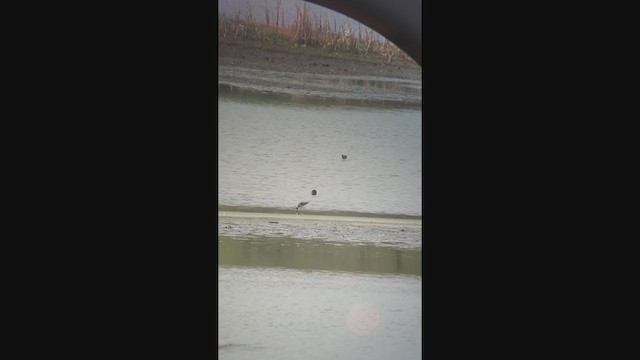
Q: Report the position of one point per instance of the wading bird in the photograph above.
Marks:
(300, 205)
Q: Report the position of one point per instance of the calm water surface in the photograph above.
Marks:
(272, 313)
(274, 150)
(291, 288)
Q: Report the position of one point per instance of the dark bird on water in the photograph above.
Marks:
(300, 205)
(313, 192)
(344, 157)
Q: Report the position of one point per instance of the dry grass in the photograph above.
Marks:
(306, 32)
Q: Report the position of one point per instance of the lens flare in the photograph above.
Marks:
(363, 318)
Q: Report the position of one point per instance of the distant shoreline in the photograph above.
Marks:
(256, 55)
(316, 218)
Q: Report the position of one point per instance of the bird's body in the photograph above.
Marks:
(344, 157)
(300, 205)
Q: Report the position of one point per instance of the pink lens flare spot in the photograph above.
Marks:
(363, 318)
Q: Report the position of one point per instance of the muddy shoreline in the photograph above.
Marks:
(311, 61)
(292, 218)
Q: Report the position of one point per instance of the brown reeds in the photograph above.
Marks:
(306, 30)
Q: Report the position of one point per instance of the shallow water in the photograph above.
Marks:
(273, 153)
(343, 279)
(274, 313)
(399, 236)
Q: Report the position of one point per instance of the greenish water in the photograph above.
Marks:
(299, 254)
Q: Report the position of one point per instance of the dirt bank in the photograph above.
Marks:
(314, 61)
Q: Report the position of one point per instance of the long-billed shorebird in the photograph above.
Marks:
(300, 205)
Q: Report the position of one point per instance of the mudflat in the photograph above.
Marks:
(289, 218)
(256, 55)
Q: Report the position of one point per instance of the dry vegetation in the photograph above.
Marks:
(305, 32)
